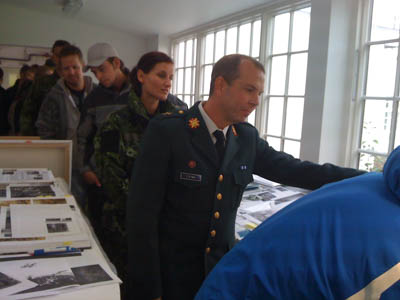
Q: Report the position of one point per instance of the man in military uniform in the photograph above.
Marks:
(39, 90)
(189, 179)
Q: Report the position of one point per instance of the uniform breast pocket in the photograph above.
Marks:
(191, 191)
(241, 179)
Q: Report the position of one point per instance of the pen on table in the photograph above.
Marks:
(52, 251)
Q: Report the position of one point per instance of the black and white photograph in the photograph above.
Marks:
(90, 274)
(12, 283)
(27, 191)
(42, 277)
(7, 281)
(3, 190)
(57, 227)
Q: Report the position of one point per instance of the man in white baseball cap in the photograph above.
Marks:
(111, 95)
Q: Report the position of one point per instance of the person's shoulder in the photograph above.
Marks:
(171, 116)
(244, 128)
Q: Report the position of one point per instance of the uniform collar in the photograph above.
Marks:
(211, 127)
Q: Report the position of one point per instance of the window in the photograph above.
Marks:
(284, 56)
(287, 60)
(241, 38)
(378, 94)
(184, 54)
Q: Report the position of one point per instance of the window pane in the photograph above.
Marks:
(219, 44)
(385, 20)
(292, 147)
(209, 48)
(397, 137)
(294, 118)
(244, 39)
(194, 80)
(275, 113)
(195, 51)
(179, 89)
(231, 40)
(274, 143)
(186, 99)
(181, 54)
(281, 33)
(189, 51)
(278, 75)
(301, 29)
(188, 80)
(207, 79)
(376, 125)
(255, 48)
(382, 70)
(371, 163)
(297, 74)
(252, 118)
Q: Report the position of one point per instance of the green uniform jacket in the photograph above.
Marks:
(116, 147)
(31, 107)
(182, 206)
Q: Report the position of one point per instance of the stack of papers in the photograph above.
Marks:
(26, 228)
(26, 175)
(28, 278)
(261, 199)
(42, 237)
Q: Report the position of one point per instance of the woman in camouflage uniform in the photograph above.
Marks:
(117, 145)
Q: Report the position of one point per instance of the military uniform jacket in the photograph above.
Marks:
(182, 204)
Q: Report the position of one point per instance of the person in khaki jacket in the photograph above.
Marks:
(60, 113)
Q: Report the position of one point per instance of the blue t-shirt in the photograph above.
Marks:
(339, 242)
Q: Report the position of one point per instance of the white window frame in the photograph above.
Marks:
(360, 97)
(265, 13)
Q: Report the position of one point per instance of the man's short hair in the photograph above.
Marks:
(228, 68)
(72, 50)
(1, 74)
(59, 43)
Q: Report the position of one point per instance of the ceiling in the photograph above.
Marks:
(145, 17)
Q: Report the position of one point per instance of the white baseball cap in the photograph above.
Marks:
(98, 53)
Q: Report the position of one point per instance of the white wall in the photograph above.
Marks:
(19, 26)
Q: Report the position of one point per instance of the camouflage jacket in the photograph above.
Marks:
(99, 104)
(116, 147)
(30, 109)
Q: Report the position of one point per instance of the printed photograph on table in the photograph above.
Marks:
(90, 274)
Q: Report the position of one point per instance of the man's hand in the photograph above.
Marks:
(91, 178)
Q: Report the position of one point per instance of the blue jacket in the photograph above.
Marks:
(339, 242)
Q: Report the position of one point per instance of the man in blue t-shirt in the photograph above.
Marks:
(339, 242)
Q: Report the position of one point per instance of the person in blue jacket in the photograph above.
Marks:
(339, 242)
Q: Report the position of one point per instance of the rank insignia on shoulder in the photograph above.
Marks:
(167, 113)
(234, 131)
(190, 176)
(192, 164)
(181, 112)
(194, 123)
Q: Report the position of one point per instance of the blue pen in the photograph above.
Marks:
(52, 251)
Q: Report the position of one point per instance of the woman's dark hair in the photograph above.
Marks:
(146, 63)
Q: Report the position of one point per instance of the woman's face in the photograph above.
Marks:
(157, 82)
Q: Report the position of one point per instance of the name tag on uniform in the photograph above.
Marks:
(190, 176)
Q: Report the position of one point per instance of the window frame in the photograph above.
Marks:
(360, 89)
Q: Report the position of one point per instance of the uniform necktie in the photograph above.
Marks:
(220, 144)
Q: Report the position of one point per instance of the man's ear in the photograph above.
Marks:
(140, 75)
(219, 85)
